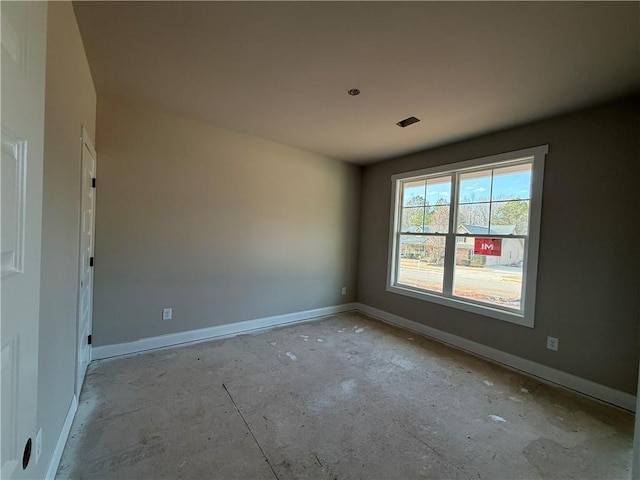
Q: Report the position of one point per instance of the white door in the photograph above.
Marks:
(24, 28)
(87, 228)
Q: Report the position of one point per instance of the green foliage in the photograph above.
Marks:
(478, 260)
(418, 213)
(515, 213)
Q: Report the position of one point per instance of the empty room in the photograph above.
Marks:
(323, 240)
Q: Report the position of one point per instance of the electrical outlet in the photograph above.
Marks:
(344, 290)
(38, 445)
(552, 343)
(167, 313)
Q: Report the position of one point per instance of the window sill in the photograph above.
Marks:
(486, 311)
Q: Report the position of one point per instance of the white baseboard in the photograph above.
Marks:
(548, 374)
(54, 463)
(203, 334)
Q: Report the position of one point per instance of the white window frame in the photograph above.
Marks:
(530, 265)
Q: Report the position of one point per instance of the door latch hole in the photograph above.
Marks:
(26, 456)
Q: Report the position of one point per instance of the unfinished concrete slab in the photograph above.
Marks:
(341, 397)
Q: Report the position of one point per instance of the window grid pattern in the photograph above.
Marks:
(463, 234)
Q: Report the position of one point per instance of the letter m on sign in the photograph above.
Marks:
(488, 246)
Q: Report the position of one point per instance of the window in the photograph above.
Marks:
(466, 235)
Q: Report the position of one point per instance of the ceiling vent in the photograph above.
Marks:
(407, 121)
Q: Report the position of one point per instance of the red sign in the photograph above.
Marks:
(488, 246)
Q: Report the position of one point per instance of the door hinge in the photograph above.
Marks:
(91, 262)
(93, 183)
(89, 340)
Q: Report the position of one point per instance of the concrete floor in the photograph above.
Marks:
(341, 397)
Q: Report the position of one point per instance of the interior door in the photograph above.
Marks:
(87, 229)
(24, 27)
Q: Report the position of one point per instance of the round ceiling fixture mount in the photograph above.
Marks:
(353, 92)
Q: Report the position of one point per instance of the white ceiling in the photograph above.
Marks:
(281, 70)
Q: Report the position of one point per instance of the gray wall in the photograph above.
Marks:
(220, 226)
(589, 264)
(69, 103)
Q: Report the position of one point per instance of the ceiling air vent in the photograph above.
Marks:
(407, 121)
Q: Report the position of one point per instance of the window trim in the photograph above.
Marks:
(529, 279)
